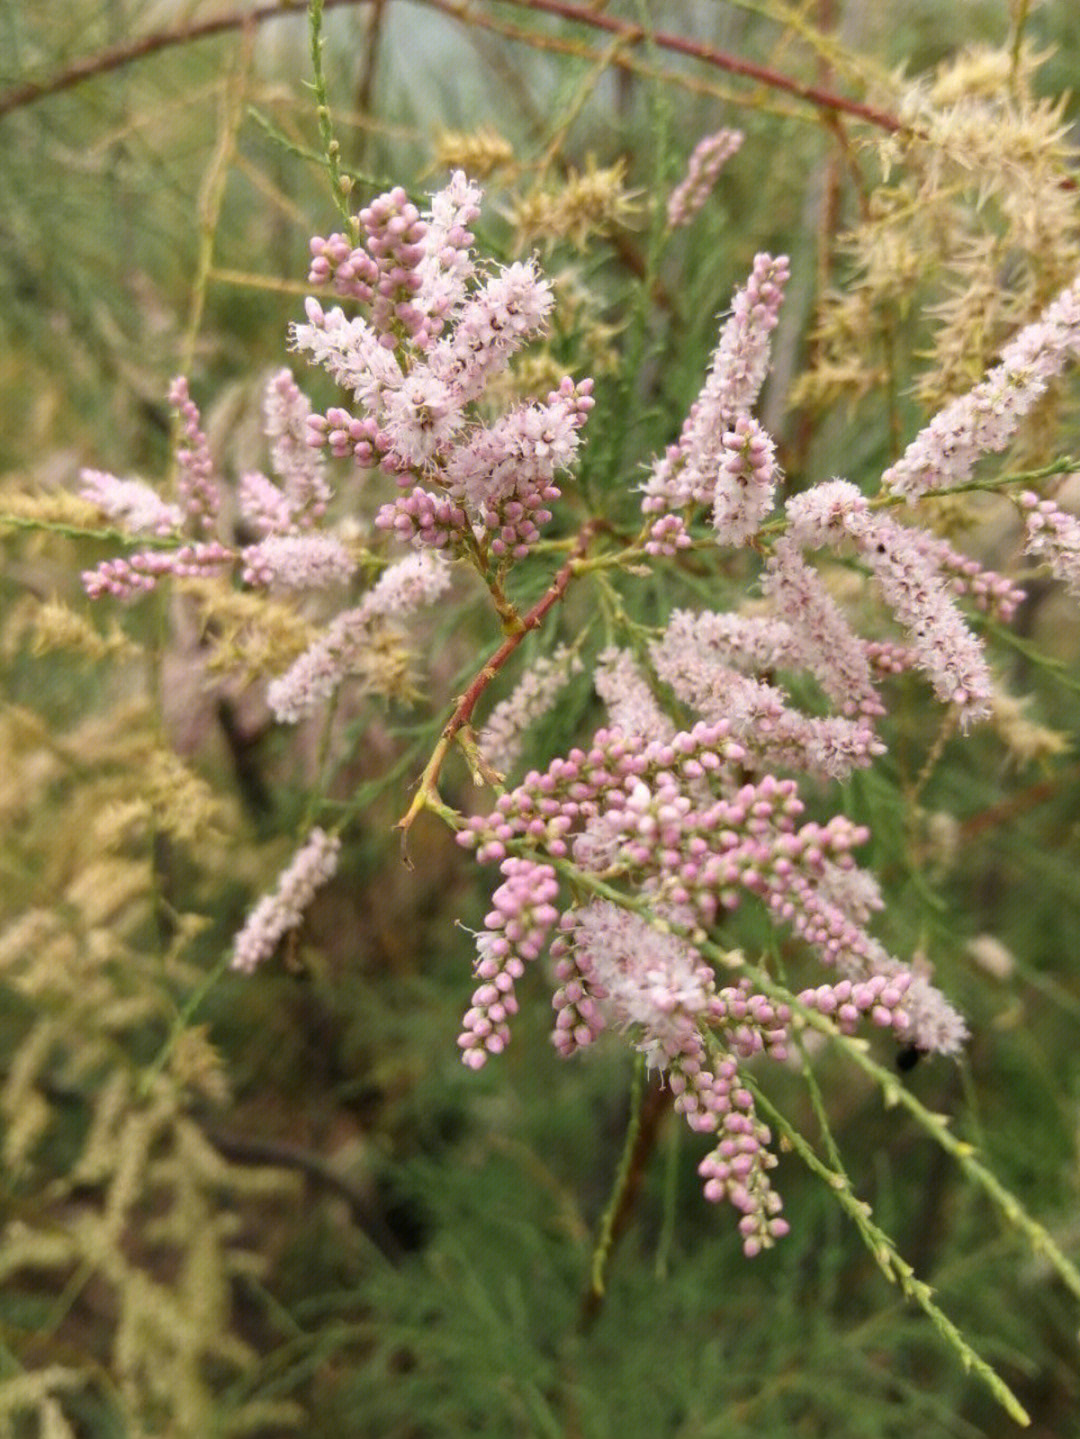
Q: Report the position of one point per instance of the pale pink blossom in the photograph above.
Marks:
(821, 516)
(313, 865)
(501, 739)
(350, 352)
(510, 308)
(821, 640)
(709, 156)
(630, 702)
(446, 265)
(132, 503)
(298, 562)
(745, 482)
(985, 419)
(297, 463)
(687, 473)
(948, 652)
(265, 507)
(315, 675)
(1052, 535)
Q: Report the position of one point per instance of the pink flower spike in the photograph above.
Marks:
(197, 482)
(710, 155)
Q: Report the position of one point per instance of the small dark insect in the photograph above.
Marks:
(908, 1058)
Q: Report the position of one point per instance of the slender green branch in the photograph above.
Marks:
(606, 1232)
(894, 1267)
(340, 184)
(893, 1091)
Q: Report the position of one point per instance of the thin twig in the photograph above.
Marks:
(115, 57)
(718, 59)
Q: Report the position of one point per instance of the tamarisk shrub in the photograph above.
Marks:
(627, 856)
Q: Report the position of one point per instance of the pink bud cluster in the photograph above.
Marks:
(424, 517)
(618, 971)
(516, 930)
(989, 592)
(1052, 535)
(197, 483)
(395, 234)
(313, 865)
(348, 268)
(737, 1169)
(710, 155)
(948, 652)
(754, 1023)
(671, 818)
(343, 435)
(124, 579)
(880, 996)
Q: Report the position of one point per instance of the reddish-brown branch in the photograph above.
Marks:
(1009, 809)
(531, 621)
(717, 59)
(117, 56)
(127, 53)
(467, 702)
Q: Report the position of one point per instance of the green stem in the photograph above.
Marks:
(340, 184)
(894, 1267)
(606, 1232)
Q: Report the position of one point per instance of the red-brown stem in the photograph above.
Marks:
(116, 56)
(718, 59)
(467, 702)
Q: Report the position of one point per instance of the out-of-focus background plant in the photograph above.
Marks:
(276, 1205)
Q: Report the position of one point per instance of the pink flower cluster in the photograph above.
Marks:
(689, 473)
(435, 335)
(289, 554)
(1053, 536)
(403, 587)
(985, 419)
(710, 155)
(313, 865)
(918, 576)
(500, 741)
(675, 819)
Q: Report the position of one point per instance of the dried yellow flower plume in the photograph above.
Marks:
(478, 152)
(588, 204)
